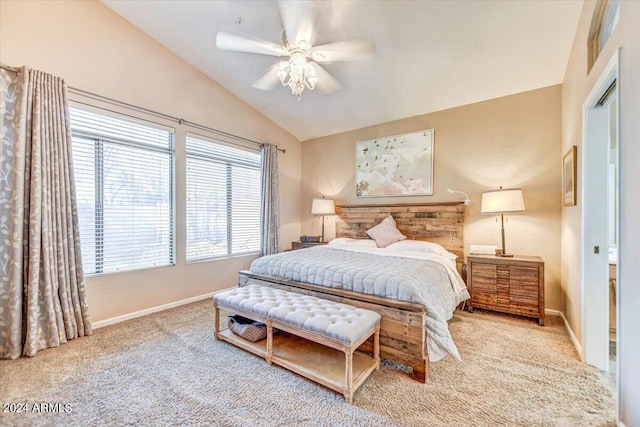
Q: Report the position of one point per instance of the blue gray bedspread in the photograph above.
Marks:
(423, 281)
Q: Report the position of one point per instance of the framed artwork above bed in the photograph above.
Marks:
(399, 165)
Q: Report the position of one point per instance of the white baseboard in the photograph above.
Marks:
(572, 336)
(128, 316)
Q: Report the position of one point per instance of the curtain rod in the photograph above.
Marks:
(154, 113)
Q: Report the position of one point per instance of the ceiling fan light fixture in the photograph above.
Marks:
(282, 75)
(297, 73)
(298, 58)
(296, 89)
(313, 80)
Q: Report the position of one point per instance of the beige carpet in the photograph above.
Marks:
(166, 369)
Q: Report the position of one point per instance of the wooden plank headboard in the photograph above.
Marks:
(440, 223)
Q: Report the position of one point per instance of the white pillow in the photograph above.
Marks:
(421, 246)
(347, 241)
(386, 233)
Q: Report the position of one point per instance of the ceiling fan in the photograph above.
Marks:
(300, 67)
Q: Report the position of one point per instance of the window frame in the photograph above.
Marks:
(594, 45)
(99, 140)
(229, 208)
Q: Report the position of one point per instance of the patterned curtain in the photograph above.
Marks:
(270, 209)
(43, 302)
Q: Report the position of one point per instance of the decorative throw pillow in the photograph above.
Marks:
(386, 233)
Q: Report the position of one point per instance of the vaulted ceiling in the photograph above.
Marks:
(430, 55)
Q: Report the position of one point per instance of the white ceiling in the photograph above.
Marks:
(430, 55)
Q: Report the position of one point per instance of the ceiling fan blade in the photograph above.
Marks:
(347, 50)
(229, 41)
(326, 82)
(298, 19)
(269, 80)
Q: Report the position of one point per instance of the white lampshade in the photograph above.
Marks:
(502, 201)
(323, 207)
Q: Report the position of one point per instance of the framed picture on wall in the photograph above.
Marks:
(399, 165)
(569, 177)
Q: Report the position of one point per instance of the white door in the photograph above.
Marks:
(595, 220)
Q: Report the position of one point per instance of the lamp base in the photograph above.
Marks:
(505, 255)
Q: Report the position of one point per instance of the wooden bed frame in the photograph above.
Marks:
(402, 332)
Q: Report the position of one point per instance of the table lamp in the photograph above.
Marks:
(323, 207)
(502, 201)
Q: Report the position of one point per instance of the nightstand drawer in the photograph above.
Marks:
(485, 299)
(524, 275)
(487, 271)
(484, 285)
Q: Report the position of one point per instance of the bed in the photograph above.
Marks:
(414, 315)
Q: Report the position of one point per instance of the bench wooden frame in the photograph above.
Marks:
(301, 356)
(402, 332)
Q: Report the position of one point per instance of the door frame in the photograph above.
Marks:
(595, 267)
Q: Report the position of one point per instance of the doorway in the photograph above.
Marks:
(600, 220)
(611, 104)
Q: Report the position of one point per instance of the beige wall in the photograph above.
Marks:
(577, 85)
(511, 141)
(94, 49)
(514, 141)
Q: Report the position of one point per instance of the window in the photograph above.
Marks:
(223, 199)
(605, 18)
(123, 171)
(609, 21)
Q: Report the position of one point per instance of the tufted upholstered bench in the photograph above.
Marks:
(327, 329)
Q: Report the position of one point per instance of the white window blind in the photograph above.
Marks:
(223, 199)
(123, 171)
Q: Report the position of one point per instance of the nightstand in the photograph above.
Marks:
(302, 245)
(508, 285)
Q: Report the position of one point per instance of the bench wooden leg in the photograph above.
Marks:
(348, 375)
(376, 346)
(216, 329)
(269, 341)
